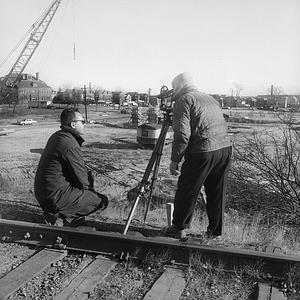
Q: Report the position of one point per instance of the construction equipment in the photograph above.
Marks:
(147, 134)
(15, 74)
(145, 186)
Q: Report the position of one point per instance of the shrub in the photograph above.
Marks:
(266, 172)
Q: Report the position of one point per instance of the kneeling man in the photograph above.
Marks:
(63, 186)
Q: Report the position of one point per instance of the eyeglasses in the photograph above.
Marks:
(82, 121)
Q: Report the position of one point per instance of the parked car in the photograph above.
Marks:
(26, 122)
(4, 131)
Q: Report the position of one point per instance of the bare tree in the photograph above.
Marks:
(237, 89)
(97, 91)
(275, 92)
(269, 161)
(66, 86)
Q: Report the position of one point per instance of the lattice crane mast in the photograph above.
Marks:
(31, 45)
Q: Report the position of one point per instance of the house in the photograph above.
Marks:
(31, 88)
(118, 98)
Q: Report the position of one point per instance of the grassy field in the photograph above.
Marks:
(119, 164)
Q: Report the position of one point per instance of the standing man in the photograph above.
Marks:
(200, 136)
(63, 186)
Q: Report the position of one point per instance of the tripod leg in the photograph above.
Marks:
(152, 186)
(133, 208)
(141, 189)
(156, 167)
(157, 149)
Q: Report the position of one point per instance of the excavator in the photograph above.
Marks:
(9, 84)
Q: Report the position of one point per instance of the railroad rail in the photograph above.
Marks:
(110, 247)
(137, 246)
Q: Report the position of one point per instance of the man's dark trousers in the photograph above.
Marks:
(209, 169)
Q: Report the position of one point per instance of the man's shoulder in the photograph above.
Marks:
(194, 97)
(206, 99)
(61, 135)
(194, 93)
(63, 138)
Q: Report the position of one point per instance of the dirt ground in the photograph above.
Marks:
(111, 151)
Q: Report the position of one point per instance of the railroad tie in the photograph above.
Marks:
(27, 270)
(268, 292)
(169, 285)
(86, 281)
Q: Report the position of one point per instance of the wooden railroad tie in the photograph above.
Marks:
(169, 286)
(87, 280)
(27, 270)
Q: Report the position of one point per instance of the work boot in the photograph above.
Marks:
(52, 219)
(74, 222)
(213, 237)
(104, 201)
(176, 233)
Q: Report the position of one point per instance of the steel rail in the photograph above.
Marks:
(138, 246)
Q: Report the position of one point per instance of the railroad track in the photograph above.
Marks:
(110, 248)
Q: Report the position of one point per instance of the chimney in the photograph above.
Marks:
(272, 90)
(37, 75)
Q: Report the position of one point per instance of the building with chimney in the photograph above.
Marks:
(31, 88)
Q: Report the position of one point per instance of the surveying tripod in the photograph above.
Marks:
(153, 162)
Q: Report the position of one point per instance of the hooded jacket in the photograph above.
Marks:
(198, 124)
(61, 174)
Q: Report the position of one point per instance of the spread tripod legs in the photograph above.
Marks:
(144, 185)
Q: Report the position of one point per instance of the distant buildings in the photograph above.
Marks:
(269, 102)
(278, 101)
(31, 88)
(130, 97)
(34, 92)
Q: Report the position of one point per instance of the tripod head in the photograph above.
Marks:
(167, 103)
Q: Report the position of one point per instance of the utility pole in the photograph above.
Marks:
(84, 97)
(274, 98)
(272, 89)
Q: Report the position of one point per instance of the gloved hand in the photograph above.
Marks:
(174, 170)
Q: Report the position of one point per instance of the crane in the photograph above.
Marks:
(14, 75)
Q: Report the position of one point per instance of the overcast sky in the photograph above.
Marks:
(135, 45)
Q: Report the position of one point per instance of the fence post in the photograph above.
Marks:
(170, 209)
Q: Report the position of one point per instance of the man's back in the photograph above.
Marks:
(210, 129)
(53, 173)
(61, 184)
(206, 124)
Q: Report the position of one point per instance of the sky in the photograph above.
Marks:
(136, 45)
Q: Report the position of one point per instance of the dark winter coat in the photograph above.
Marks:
(61, 176)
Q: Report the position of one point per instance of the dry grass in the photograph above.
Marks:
(206, 280)
(240, 230)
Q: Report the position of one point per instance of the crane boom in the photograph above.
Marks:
(31, 45)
